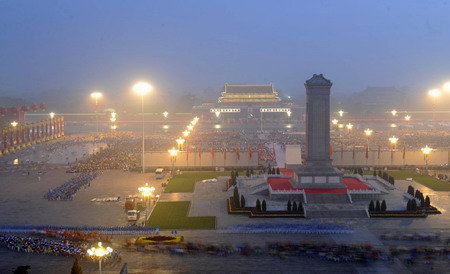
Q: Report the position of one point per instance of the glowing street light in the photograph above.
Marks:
(393, 141)
(341, 113)
(52, 115)
(196, 119)
(113, 127)
(112, 119)
(368, 132)
(217, 114)
(173, 157)
(98, 253)
(341, 126)
(165, 113)
(146, 192)
(180, 141)
(190, 127)
(289, 113)
(14, 123)
(186, 133)
(142, 88)
(96, 95)
(394, 112)
(407, 117)
(194, 122)
(426, 152)
(335, 122)
(446, 87)
(349, 127)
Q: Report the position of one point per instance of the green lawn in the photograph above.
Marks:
(186, 181)
(428, 181)
(173, 215)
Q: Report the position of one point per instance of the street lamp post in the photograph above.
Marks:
(335, 122)
(349, 127)
(434, 93)
(426, 152)
(96, 95)
(341, 113)
(173, 157)
(180, 141)
(393, 141)
(142, 89)
(146, 192)
(98, 253)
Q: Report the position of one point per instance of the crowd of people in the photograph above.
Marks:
(69, 188)
(44, 246)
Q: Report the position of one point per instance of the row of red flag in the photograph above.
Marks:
(367, 151)
(238, 153)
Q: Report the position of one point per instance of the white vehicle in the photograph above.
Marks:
(159, 173)
(209, 181)
(133, 215)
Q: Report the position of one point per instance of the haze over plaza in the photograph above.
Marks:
(247, 136)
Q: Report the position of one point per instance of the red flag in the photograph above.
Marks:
(187, 153)
(379, 152)
(404, 152)
(273, 150)
(224, 153)
(212, 153)
(353, 152)
(367, 152)
(238, 155)
(200, 152)
(249, 152)
(331, 150)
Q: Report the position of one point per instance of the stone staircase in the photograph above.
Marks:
(327, 198)
(335, 211)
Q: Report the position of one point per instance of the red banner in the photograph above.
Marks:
(212, 153)
(273, 150)
(379, 152)
(238, 155)
(249, 152)
(224, 153)
(404, 152)
(331, 150)
(367, 152)
(187, 153)
(200, 153)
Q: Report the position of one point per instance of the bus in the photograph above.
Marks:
(159, 173)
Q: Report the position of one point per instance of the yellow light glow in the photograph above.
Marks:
(96, 95)
(426, 150)
(186, 133)
(165, 113)
(190, 127)
(349, 126)
(393, 125)
(113, 127)
(289, 113)
(52, 114)
(393, 140)
(446, 87)
(173, 152)
(146, 191)
(166, 127)
(288, 126)
(14, 123)
(142, 88)
(112, 119)
(217, 126)
(180, 141)
(196, 119)
(434, 93)
(217, 114)
(368, 132)
(394, 113)
(113, 115)
(99, 251)
(407, 117)
(341, 126)
(341, 113)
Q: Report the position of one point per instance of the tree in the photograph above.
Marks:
(76, 267)
(242, 201)
(278, 171)
(300, 207)
(289, 206)
(248, 172)
(377, 206)
(383, 205)
(379, 173)
(355, 171)
(236, 197)
(360, 171)
(427, 202)
(264, 206)
(251, 171)
(375, 173)
(371, 206)
(413, 205)
(258, 205)
(294, 207)
(391, 180)
(237, 174)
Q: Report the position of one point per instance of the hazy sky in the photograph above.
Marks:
(187, 46)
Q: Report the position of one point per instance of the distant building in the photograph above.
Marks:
(248, 104)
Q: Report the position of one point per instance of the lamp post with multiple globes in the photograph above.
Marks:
(98, 253)
(426, 152)
(96, 95)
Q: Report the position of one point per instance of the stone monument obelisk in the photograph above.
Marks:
(318, 171)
